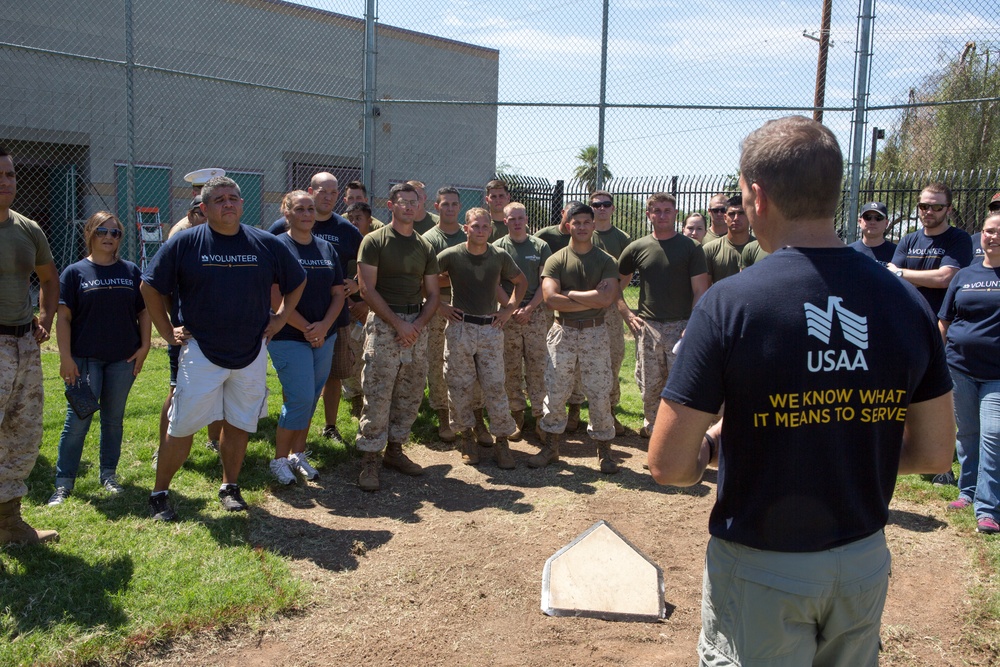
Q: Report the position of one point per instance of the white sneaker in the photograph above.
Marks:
(282, 469)
(300, 463)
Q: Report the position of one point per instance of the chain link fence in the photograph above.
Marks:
(109, 103)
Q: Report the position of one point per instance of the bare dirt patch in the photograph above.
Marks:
(446, 569)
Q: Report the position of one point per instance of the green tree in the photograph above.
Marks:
(949, 136)
(586, 172)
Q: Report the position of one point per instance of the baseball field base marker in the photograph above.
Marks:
(600, 574)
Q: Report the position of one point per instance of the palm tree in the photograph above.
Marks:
(586, 173)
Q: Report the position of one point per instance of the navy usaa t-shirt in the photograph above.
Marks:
(223, 285)
(817, 354)
(105, 303)
(322, 267)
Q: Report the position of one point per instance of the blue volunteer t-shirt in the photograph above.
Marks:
(322, 267)
(345, 239)
(972, 306)
(977, 247)
(881, 253)
(817, 354)
(916, 250)
(105, 304)
(223, 287)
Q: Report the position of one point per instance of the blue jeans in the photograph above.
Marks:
(302, 371)
(977, 412)
(111, 382)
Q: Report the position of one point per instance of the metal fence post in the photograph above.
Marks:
(599, 181)
(131, 248)
(368, 149)
(860, 117)
(557, 202)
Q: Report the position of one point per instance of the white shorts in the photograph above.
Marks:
(206, 393)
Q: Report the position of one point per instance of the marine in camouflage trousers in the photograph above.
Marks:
(474, 353)
(356, 343)
(653, 360)
(437, 387)
(576, 397)
(21, 400)
(616, 335)
(525, 355)
(571, 349)
(393, 384)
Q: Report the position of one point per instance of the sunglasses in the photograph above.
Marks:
(601, 204)
(101, 232)
(995, 206)
(717, 210)
(937, 208)
(872, 217)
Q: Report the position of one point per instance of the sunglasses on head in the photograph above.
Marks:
(872, 217)
(101, 232)
(937, 208)
(601, 204)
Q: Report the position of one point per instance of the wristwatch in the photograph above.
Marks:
(899, 273)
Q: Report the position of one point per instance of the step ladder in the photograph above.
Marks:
(147, 222)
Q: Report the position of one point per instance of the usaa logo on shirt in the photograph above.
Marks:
(228, 260)
(854, 330)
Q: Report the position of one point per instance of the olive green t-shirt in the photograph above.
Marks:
(441, 241)
(530, 256)
(554, 238)
(499, 230)
(474, 278)
(581, 273)
(426, 223)
(723, 257)
(752, 254)
(402, 263)
(665, 272)
(23, 246)
(612, 241)
(711, 236)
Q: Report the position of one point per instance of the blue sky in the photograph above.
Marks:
(668, 52)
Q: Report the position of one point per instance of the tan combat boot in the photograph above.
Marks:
(503, 456)
(13, 529)
(445, 434)
(370, 464)
(549, 453)
(483, 436)
(619, 427)
(469, 448)
(518, 416)
(395, 458)
(542, 435)
(604, 454)
(573, 418)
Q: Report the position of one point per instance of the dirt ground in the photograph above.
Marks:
(445, 569)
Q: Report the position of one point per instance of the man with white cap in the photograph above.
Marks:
(197, 179)
(872, 221)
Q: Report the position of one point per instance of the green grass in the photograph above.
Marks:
(117, 582)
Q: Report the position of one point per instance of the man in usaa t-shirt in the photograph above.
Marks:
(872, 222)
(346, 239)
(221, 273)
(930, 257)
(834, 380)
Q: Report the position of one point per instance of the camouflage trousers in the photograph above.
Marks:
(653, 361)
(437, 387)
(474, 353)
(571, 349)
(616, 335)
(356, 343)
(21, 400)
(576, 397)
(393, 383)
(524, 355)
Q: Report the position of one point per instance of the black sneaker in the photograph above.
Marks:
(160, 509)
(945, 479)
(231, 499)
(332, 433)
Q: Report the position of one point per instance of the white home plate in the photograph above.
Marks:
(601, 575)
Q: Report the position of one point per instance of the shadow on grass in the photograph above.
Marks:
(45, 587)
(918, 523)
